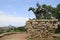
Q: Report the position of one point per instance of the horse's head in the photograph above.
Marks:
(31, 9)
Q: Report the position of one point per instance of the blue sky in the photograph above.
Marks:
(15, 12)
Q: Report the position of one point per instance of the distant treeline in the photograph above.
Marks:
(20, 29)
(12, 29)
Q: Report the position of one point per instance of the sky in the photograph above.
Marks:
(15, 12)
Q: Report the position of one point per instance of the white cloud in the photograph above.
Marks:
(1, 12)
(6, 18)
(13, 20)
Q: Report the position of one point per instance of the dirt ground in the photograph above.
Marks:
(18, 36)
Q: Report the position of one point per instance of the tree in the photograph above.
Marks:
(58, 17)
(58, 11)
(49, 8)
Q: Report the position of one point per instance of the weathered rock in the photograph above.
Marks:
(41, 29)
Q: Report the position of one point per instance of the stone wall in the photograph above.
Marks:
(42, 29)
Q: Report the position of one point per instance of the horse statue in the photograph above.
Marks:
(38, 11)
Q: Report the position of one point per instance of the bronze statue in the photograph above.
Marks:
(38, 11)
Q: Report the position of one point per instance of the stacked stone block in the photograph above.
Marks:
(42, 29)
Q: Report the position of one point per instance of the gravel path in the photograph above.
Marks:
(19, 36)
